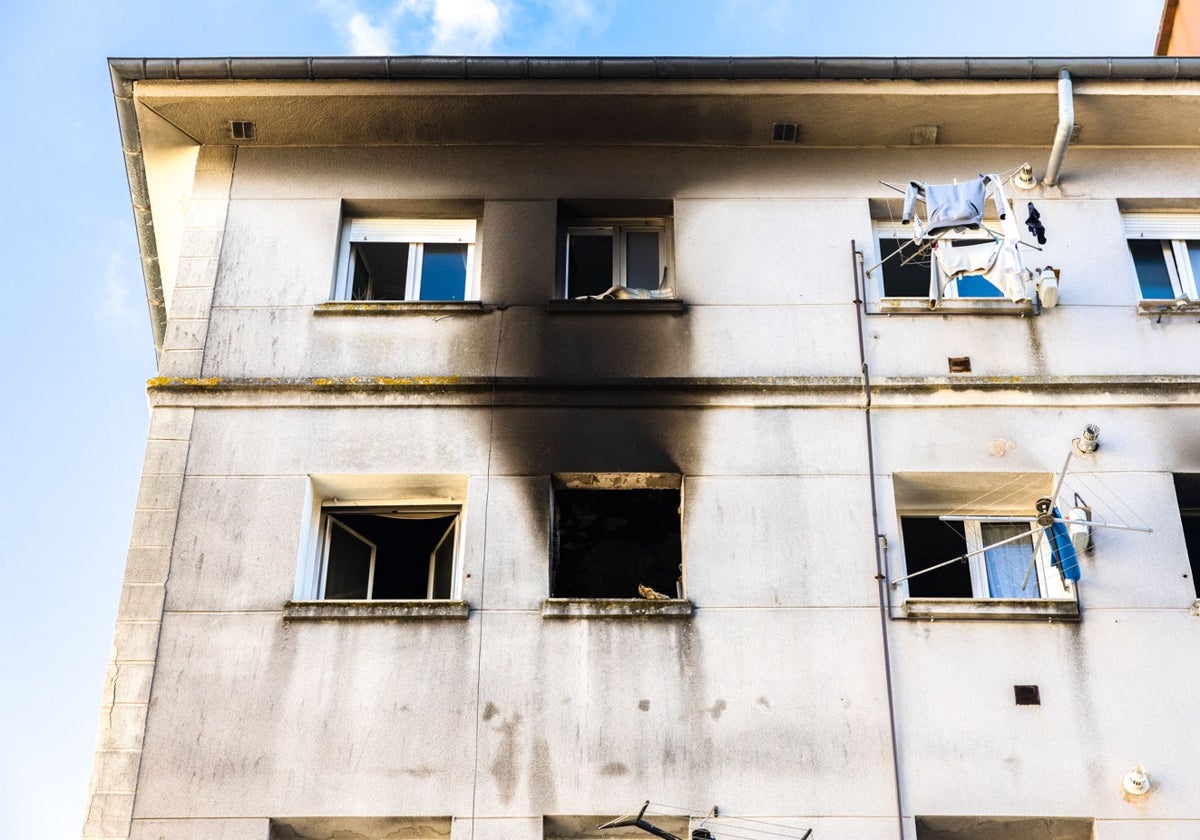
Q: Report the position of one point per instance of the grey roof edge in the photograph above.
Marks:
(649, 68)
(139, 195)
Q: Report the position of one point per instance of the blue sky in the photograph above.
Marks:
(74, 326)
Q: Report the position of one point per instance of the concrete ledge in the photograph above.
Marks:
(951, 306)
(423, 307)
(616, 608)
(625, 307)
(373, 610)
(1005, 609)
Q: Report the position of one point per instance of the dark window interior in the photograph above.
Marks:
(589, 264)
(902, 277)
(607, 542)
(1187, 491)
(927, 542)
(380, 270)
(407, 551)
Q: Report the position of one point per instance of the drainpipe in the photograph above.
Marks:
(856, 260)
(1062, 135)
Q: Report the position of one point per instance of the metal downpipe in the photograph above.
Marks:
(1062, 134)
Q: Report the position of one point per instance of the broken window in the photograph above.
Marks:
(392, 553)
(617, 537)
(1187, 491)
(407, 260)
(616, 249)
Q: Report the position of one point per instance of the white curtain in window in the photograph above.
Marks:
(1007, 564)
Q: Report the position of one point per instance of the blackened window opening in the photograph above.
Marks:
(927, 542)
(608, 542)
(1187, 491)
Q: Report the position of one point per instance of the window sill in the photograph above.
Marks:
(587, 306)
(409, 307)
(1159, 308)
(951, 306)
(615, 608)
(1008, 609)
(373, 610)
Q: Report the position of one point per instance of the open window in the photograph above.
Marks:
(404, 552)
(1187, 492)
(914, 273)
(616, 250)
(407, 260)
(382, 545)
(617, 536)
(1165, 248)
(969, 548)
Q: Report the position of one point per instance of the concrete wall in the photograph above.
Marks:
(770, 701)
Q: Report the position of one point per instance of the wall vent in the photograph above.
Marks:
(242, 130)
(1027, 695)
(923, 135)
(959, 364)
(785, 132)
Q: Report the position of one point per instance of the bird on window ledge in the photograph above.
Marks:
(651, 595)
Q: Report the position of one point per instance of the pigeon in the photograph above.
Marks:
(650, 595)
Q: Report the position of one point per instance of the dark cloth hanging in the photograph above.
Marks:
(1034, 223)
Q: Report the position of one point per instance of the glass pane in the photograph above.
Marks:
(1193, 248)
(642, 270)
(900, 278)
(589, 264)
(1007, 564)
(380, 269)
(1151, 267)
(349, 563)
(444, 272)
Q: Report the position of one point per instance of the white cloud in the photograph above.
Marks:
(466, 26)
(366, 37)
(116, 310)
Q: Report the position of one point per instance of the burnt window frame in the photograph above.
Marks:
(619, 218)
(1187, 501)
(614, 483)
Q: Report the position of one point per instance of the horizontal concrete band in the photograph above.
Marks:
(648, 68)
(769, 391)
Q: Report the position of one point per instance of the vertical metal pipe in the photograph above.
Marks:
(1062, 135)
(880, 572)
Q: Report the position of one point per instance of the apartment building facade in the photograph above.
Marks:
(535, 438)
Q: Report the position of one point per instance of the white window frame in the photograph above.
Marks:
(896, 230)
(416, 233)
(1050, 583)
(329, 511)
(619, 229)
(1173, 230)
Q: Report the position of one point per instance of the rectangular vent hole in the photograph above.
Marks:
(960, 364)
(242, 130)
(1027, 695)
(785, 132)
